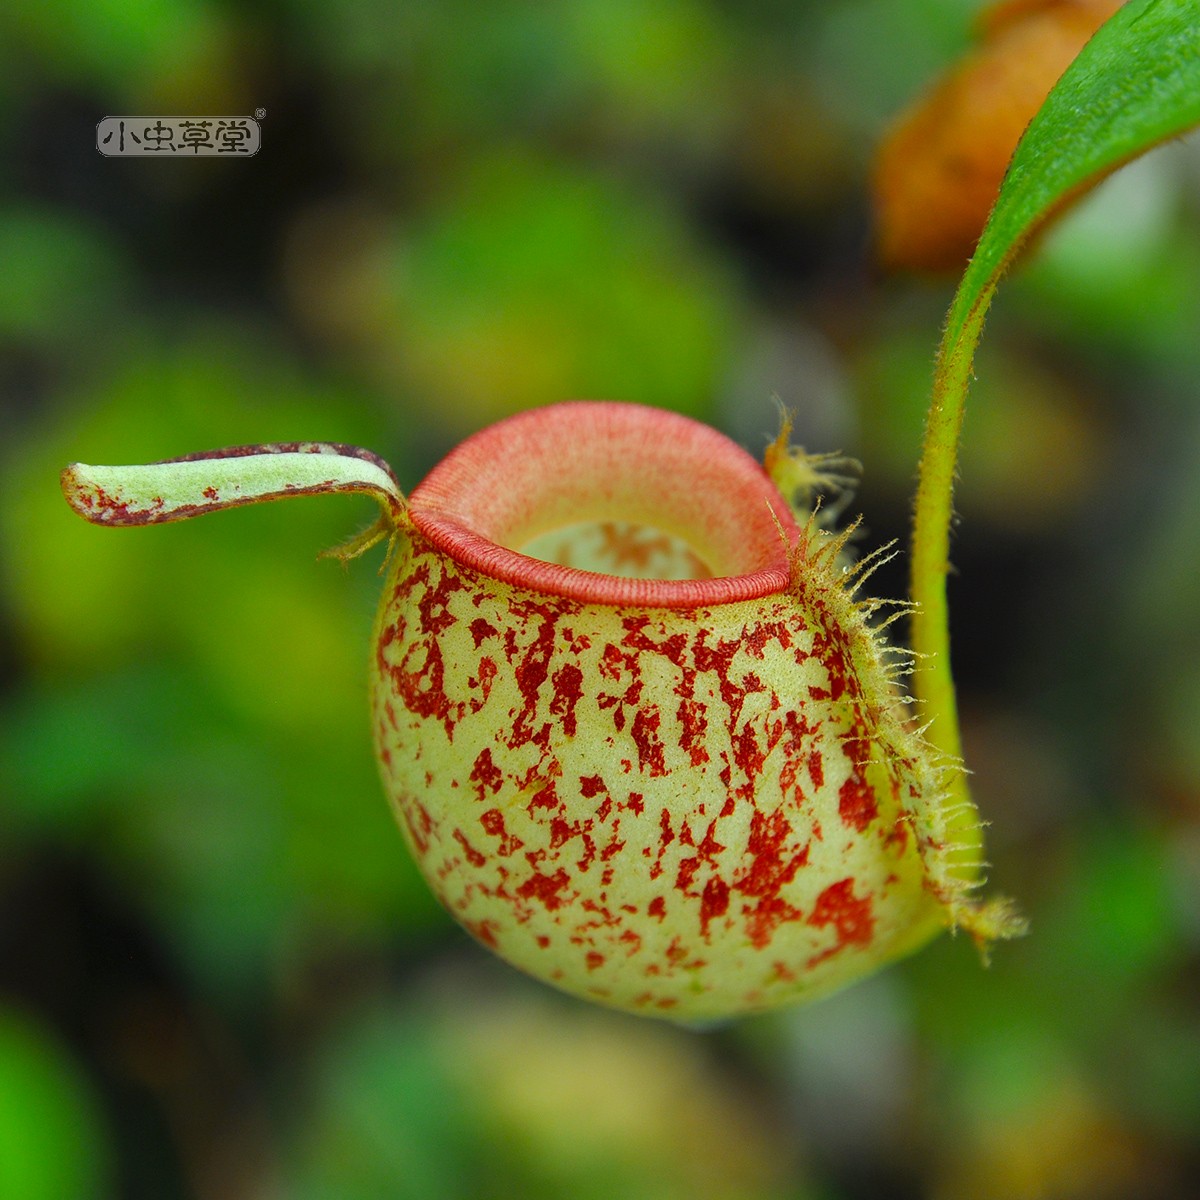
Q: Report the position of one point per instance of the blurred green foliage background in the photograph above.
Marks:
(220, 976)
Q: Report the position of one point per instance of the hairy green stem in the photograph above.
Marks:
(930, 559)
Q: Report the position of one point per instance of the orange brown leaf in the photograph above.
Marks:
(939, 168)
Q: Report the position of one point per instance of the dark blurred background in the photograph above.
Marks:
(220, 976)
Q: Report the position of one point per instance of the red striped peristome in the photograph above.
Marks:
(686, 798)
(640, 734)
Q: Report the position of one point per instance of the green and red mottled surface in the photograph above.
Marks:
(682, 812)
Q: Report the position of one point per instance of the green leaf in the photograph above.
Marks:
(1135, 84)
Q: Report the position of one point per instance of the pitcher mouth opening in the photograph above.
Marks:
(610, 503)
